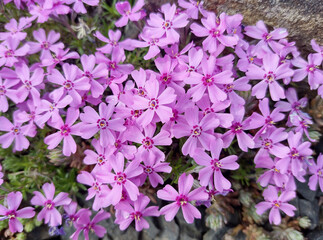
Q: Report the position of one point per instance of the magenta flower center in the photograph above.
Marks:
(117, 144)
(294, 153)
(52, 107)
(153, 103)
(101, 159)
(216, 165)
(147, 142)
(136, 113)
(276, 170)
(236, 127)
(120, 178)
(136, 215)
(276, 204)
(65, 130)
(191, 69)
(112, 65)
(270, 77)
(9, 53)
(320, 172)
(49, 205)
(45, 45)
(215, 32)
(148, 169)
(16, 130)
(207, 111)
(207, 80)
(311, 68)
(196, 131)
(228, 88)
(96, 186)
(3, 90)
(267, 143)
(267, 37)
(181, 200)
(167, 25)
(251, 59)
(153, 42)
(113, 43)
(165, 78)
(28, 84)
(11, 214)
(102, 123)
(141, 92)
(88, 75)
(68, 85)
(175, 115)
(269, 121)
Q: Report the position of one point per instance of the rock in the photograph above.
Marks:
(114, 233)
(215, 235)
(311, 210)
(315, 235)
(184, 236)
(295, 202)
(302, 19)
(190, 229)
(303, 189)
(151, 232)
(170, 230)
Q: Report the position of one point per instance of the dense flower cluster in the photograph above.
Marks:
(129, 114)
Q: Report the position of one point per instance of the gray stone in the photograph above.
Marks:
(190, 229)
(315, 235)
(311, 210)
(215, 235)
(295, 202)
(303, 189)
(114, 233)
(184, 236)
(170, 230)
(151, 232)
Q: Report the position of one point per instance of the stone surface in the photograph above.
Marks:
(215, 235)
(170, 230)
(114, 233)
(315, 235)
(190, 229)
(303, 189)
(311, 210)
(302, 18)
(151, 232)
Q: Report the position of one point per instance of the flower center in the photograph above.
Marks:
(196, 131)
(269, 121)
(136, 215)
(167, 25)
(102, 123)
(16, 130)
(49, 205)
(267, 143)
(112, 65)
(65, 130)
(181, 200)
(294, 153)
(276, 170)
(267, 37)
(320, 173)
(45, 45)
(153, 103)
(3, 90)
(147, 142)
(141, 92)
(120, 178)
(96, 186)
(165, 78)
(148, 169)
(136, 113)
(228, 88)
(236, 127)
(276, 204)
(28, 84)
(9, 53)
(215, 32)
(101, 160)
(68, 85)
(216, 165)
(270, 77)
(11, 214)
(207, 80)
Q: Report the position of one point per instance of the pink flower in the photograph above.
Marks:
(214, 29)
(98, 190)
(66, 130)
(79, 6)
(154, 103)
(192, 7)
(260, 32)
(121, 179)
(213, 166)
(93, 122)
(71, 83)
(59, 55)
(45, 44)
(309, 69)
(158, 26)
(49, 212)
(9, 51)
(85, 224)
(136, 211)
(269, 74)
(127, 13)
(15, 29)
(275, 203)
(16, 133)
(5, 92)
(12, 213)
(181, 199)
(200, 132)
(317, 173)
(29, 83)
